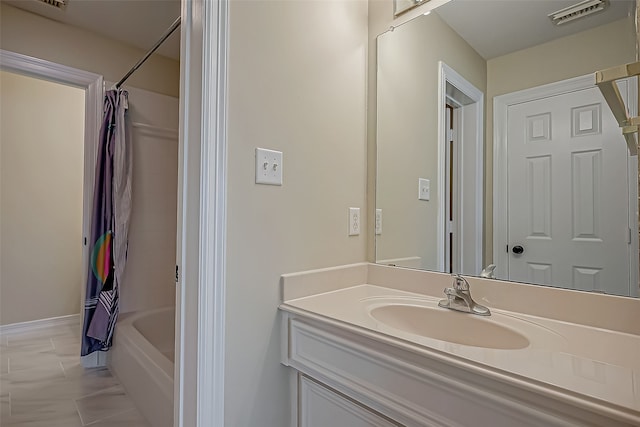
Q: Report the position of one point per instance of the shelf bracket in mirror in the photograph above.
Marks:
(606, 81)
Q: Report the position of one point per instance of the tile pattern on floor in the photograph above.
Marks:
(42, 383)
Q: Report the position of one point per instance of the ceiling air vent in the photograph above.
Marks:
(577, 11)
(58, 4)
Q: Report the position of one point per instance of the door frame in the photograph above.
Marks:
(93, 86)
(501, 105)
(202, 202)
(471, 168)
(201, 235)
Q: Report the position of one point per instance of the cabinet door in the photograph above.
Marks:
(322, 407)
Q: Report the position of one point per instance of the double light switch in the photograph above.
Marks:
(268, 167)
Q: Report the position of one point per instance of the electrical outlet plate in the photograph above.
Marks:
(378, 222)
(354, 221)
(424, 189)
(268, 167)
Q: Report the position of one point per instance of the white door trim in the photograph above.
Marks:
(500, 210)
(213, 178)
(473, 238)
(93, 97)
(201, 240)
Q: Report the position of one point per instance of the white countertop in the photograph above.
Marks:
(584, 362)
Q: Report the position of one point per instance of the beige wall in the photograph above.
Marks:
(407, 131)
(41, 169)
(576, 55)
(297, 82)
(33, 35)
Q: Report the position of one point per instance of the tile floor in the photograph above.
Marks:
(42, 384)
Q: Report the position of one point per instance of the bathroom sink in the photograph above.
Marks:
(451, 326)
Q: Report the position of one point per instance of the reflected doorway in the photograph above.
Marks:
(460, 177)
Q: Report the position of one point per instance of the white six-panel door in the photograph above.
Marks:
(568, 194)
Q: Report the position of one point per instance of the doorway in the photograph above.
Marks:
(41, 145)
(89, 86)
(460, 174)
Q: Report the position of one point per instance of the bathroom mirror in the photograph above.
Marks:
(494, 145)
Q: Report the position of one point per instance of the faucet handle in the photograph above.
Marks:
(460, 283)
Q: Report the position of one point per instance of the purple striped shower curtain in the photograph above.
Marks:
(109, 225)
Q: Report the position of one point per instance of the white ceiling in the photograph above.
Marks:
(497, 27)
(136, 22)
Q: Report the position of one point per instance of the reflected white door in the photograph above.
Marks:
(568, 194)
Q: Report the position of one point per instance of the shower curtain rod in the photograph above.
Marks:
(165, 36)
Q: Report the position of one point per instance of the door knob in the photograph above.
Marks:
(518, 250)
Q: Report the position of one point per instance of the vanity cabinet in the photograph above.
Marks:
(349, 376)
(320, 406)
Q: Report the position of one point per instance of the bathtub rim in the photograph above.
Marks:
(144, 353)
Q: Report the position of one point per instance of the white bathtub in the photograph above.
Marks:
(142, 359)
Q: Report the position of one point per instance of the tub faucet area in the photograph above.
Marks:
(459, 298)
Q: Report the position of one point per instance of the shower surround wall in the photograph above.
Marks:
(149, 278)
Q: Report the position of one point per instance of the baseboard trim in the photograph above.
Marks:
(34, 325)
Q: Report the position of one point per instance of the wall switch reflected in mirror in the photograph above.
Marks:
(378, 222)
(424, 189)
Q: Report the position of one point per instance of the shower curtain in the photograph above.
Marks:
(109, 225)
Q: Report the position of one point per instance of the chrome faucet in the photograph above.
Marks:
(459, 298)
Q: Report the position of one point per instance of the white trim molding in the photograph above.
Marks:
(213, 221)
(471, 206)
(34, 325)
(201, 240)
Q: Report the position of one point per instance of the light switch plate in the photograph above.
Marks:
(354, 221)
(424, 189)
(268, 167)
(378, 222)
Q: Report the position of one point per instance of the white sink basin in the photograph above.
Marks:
(448, 325)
